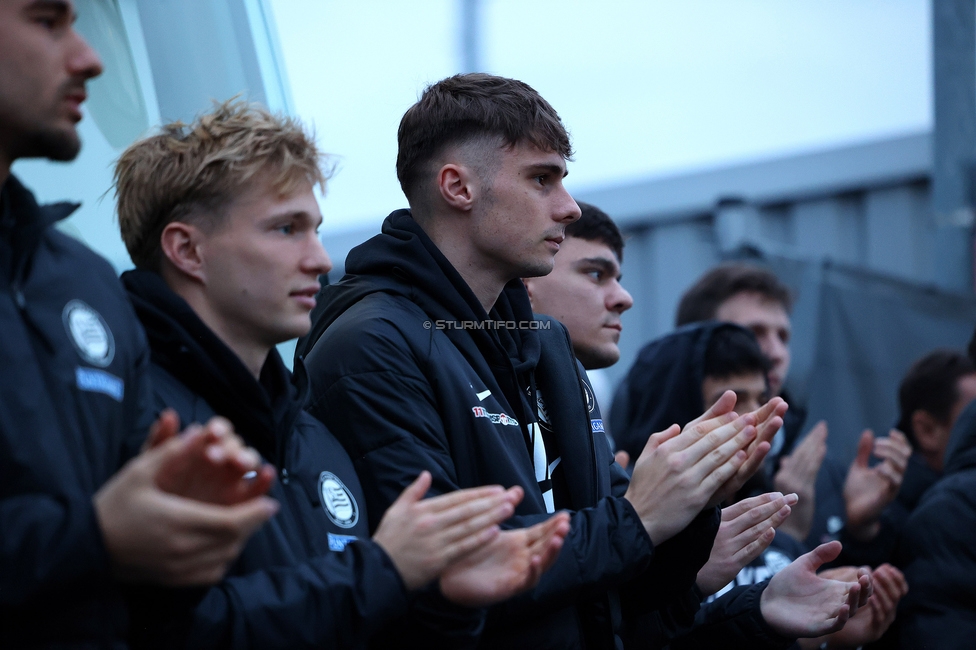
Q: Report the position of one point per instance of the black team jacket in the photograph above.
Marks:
(938, 552)
(73, 371)
(310, 577)
(406, 385)
(664, 387)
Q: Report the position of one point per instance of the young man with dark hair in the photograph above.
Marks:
(931, 397)
(73, 525)
(933, 393)
(221, 219)
(755, 298)
(936, 548)
(684, 372)
(428, 356)
(752, 297)
(583, 291)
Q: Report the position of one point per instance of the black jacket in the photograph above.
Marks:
(404, 395)
(664, 387)
(310, 577)
(75, 407)
(938, 552)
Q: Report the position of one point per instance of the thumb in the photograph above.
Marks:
(820, 429)
(622, 458)
(416, 490)
(722, 406)
(173, 449)
(661, 437)
(821, 555)
(165, 427)
(250, 515)
(864, 446)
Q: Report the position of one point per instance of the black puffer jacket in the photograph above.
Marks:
(938, 552)
(404, 395)
(664, 387)
(310, 577)
(75, 405)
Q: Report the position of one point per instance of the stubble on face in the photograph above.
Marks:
(44, 65)
(522, 212)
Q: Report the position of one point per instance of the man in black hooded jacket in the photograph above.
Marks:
(427, 356)
(225, 271)
(936, 549)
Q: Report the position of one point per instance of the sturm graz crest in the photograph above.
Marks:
(590, 400)
(89, 332)
(339, 503)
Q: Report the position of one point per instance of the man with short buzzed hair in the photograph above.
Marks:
(428, 356)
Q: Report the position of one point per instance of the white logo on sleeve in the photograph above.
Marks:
(339, 503)
(89, 332)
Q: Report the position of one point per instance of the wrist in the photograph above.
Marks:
(863, 532)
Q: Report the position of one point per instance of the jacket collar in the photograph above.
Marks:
(30, 222)
(263, 411)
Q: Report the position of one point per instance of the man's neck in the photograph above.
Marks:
(486, 283)
(251, 352)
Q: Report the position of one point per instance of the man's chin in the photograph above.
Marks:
(596, 358)
(62, 145)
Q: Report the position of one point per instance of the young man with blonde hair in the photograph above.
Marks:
(221, 221)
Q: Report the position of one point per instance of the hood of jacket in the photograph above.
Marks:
(663, 387)
(263, 411)
(403, 260)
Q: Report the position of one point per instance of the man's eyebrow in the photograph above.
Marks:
(60, 6)
(552, 168)
(608, 265)
(295, 214)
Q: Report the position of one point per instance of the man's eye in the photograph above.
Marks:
(595, 275)
(287, 229)
(541, 180)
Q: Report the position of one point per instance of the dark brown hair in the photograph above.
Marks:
(596, 225)
(931, 385)
(703, 299)
(469, 107)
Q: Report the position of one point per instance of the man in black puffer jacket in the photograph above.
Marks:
(220, 219)
(427, 356)
(937, 552)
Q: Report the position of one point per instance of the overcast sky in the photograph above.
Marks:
(646, 88)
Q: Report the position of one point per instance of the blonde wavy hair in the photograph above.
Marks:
(191, 172)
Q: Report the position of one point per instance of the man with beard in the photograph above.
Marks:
(74, 526)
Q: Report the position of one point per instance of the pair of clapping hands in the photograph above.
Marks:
(683, 471)
(181, 511)
(868, 489)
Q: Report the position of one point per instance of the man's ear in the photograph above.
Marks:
(181, 244)
(457, 186)
(927, 430)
